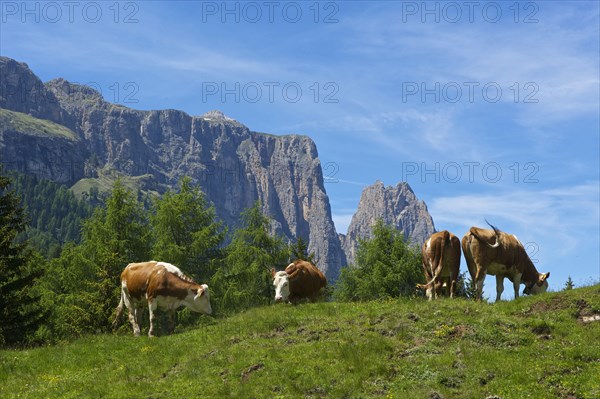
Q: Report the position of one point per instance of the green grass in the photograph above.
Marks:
(534, 347)
(27, 124)
(105, 181)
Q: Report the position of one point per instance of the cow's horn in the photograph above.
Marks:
(294, 274)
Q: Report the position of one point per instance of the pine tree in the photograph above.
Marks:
(386, 267)
(112, 238)
(470, 289)
(20, 310)
(299, 250)
(243, 279)
(186, 232)
(119, 233)
(51, 207)
(69, 289)
(569, 285)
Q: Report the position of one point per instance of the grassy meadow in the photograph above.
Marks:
(28, 124)
(533, 347)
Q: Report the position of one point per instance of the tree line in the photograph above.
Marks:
(54, 213)
(51, 296)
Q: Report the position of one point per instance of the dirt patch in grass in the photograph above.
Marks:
(452, 381)
(246, 373)
(542, 328)
(460, 330)
(486, 378)
(173, 370)
(413, 317)
(585, 313)
(435, 395)
(277, 331)
(554, 304)
(316, 392)
(314, 335)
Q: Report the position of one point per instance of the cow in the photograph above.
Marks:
(159, 285)
(502, 255)
(301, 279)
(441, 264)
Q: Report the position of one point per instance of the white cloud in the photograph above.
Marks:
(558, 55)
(562, 215)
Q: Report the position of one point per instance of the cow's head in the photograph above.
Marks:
(201, 300)
(539, 286)
(281, 282)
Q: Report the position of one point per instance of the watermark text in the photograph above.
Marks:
(470, 172)
(253, 12)
(118, 12)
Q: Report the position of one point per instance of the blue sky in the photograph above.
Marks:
(488, 109)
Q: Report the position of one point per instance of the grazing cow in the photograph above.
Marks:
(502, 255)
(300, 279)
(441, 263)
(158, 284)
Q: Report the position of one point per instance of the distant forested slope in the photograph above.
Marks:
(55, 214)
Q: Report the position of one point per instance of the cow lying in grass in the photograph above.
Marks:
(301, 279)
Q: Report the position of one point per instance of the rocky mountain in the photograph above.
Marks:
(68, 133)
(396, 206)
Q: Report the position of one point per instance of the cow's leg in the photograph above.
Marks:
(172, 318)
(479, 279)
(139, 315)
(452, 286)
(439, 289)
(134, 324)
(133, 309)
(139, 312)
(429, 293)
(517, 283)
(133, 319)
(152, 308)
(446, 286)
(499, 286)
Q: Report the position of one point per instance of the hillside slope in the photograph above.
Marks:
(535, 347)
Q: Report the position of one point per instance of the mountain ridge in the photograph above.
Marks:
(232, 164)
(395, 206)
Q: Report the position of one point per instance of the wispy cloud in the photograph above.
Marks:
(561, 215)
(335, 180)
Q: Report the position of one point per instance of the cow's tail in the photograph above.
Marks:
(117, 319)
(473, 231)
(440, 265)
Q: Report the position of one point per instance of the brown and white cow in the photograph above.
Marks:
(502, 255)
(159, 285)
(301, 279)
(441, 263)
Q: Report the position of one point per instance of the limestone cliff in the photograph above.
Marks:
(233, 165)
(396, 206)
(70, 134)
